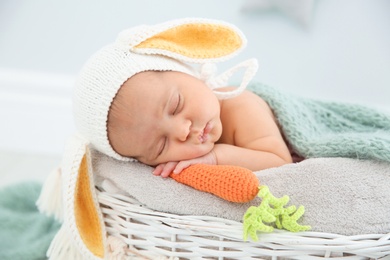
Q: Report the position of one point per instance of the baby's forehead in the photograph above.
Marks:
(140, 87)
(156, 89)
(141, 77)
(145, 79)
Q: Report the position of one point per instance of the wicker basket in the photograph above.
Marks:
(148, 234)
(99, 225)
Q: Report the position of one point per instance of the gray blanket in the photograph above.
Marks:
(341, 195)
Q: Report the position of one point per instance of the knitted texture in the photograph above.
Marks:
(168, 46)
(86, 214)
(272, 210)
(232, 183)
(317, 128)
(98, 83)
(83, 233)
(195, 41)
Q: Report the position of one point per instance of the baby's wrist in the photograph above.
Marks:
(218, 153)
(214, 157)
(222, 153)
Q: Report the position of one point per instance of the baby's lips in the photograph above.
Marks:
(204, 136)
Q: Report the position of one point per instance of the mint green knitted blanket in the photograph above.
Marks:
(316, 128)
(25, 234)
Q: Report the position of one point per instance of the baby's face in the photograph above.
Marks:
(158, 117)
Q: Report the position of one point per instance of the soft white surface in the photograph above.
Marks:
(343, 54)
(19, 166)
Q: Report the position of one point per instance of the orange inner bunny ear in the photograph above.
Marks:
(87, 219)
(197, 41)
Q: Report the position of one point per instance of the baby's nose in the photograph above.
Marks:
(183, 130)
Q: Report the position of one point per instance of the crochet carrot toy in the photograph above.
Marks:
(237, 184)
(232, 183)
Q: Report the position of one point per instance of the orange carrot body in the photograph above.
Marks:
(232, 183)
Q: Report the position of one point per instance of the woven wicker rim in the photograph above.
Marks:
(150, 234)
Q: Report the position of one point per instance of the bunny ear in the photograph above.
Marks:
(191, 40)
(87, 218)
(82, 234)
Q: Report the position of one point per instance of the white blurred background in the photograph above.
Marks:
(328, 49)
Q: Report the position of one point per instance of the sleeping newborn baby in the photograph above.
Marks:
(138, 99)
(173, 120)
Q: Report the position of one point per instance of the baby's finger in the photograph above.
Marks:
(181, 166)
(159, 168)
(168, 168)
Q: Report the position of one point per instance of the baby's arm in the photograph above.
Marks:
(225, 154)
(250, 139)
(165, 169)
(249, 158)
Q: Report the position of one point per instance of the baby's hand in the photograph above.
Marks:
(165, 169)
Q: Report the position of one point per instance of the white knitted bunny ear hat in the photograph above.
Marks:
(162, 47)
